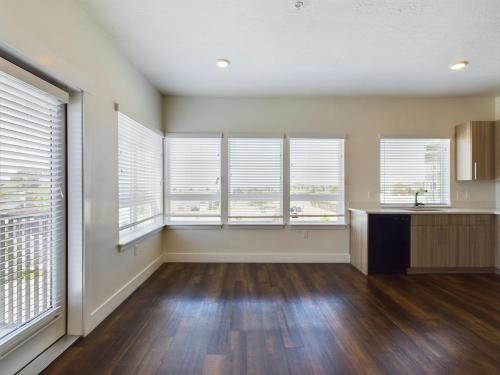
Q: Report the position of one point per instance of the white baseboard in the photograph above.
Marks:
(107, 307)
(172, 257)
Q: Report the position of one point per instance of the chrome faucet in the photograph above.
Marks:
(417, 203)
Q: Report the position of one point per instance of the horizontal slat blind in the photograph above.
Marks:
(316, 180)
(32, 213)
(140, 183)
(255, 180)
(411, 165)
(193, 179)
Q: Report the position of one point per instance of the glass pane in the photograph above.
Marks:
(408, 166)
(316, 211)
(194, 208)
(316, 166)
(193, 165)
(256, 210)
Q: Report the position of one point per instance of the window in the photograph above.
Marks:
(193, 179)
(32, 206)
(411, 165)
(255, 180)
(140, 185)
(317, 180)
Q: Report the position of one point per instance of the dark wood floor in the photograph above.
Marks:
(295, 319)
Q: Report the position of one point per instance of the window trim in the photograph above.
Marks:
(58, 246)
(317, 224)
(224, 222)
(400, 205)
(127, 234)
(33, 80)
(201, 223)
(282, 196)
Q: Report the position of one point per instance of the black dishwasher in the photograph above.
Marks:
(388, 243)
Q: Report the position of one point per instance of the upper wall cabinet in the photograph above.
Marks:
(475, 150)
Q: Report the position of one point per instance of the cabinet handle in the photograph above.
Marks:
(475, 170)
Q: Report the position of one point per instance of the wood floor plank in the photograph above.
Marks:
(298, 319)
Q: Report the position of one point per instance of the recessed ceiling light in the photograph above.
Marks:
(223, 63)
(459, 65)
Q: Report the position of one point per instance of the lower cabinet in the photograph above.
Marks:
(380, 243)
(433, 246)
(481, 245)
(452, 241)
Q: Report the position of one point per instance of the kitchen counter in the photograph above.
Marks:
(424, 211)
(439, 240)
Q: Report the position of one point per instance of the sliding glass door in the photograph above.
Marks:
(32, 218)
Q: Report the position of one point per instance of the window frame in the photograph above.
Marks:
(54, 318)
(166, 179)
(227, 195)
(132, 232)
(289, 195)
(449, 159)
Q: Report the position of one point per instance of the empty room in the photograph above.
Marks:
(250, 187)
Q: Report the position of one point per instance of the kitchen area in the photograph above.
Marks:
(421, 238)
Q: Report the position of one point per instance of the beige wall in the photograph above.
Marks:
(58, 37)
(362, 120)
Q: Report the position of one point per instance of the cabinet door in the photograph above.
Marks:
(420, 247)
(444, 247)
(463, 156)
(483, 142)
(480, 246)
(434, 246)
(464, 253)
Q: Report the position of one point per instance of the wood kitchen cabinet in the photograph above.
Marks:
(481, 242)
(434, 246)
(452, 242)
(432, 243)
(475, 150)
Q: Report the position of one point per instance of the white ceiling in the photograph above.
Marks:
(329, 47)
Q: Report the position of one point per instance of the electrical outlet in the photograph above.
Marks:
(135, 250)
(305, 234)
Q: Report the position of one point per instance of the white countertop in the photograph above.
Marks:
(430, 211)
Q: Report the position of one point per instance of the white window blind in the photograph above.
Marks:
(32, 205)
(411, 165)
(193, 179)
(317, 180)
(255, 180)
(140, 183)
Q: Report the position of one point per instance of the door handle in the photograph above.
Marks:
(475, 170)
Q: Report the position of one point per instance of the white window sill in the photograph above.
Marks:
(130, 239)
(137, 236)
(256, 225)
(318, 225)
(193, 225)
